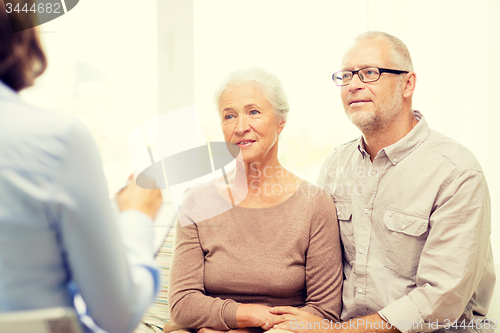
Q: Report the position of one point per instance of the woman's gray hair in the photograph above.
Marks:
(400, 56)
(260, 79)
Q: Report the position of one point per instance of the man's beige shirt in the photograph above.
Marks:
(415, 227)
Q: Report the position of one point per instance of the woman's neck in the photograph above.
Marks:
(259, 184)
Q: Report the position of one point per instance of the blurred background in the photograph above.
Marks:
(117, 64)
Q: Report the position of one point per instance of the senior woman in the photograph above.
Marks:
(278, 245)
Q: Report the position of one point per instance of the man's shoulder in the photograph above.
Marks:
(349, 144)
(341, 154)
(345, 149)
(453, 152)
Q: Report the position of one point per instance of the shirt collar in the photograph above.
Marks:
(361, 147)
(399, 150)
(6, 92)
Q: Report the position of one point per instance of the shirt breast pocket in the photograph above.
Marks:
(405, 241)
(344, 215)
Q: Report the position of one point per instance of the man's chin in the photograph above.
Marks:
(362, 120)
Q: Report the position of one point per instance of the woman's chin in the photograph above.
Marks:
(249, 157)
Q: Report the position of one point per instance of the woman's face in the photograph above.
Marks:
(249, 121)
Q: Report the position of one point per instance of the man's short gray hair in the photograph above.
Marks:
(400, 56)
(260, 79)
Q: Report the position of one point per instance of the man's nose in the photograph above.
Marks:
(355, 83)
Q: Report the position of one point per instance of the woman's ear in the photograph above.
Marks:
(281, 126)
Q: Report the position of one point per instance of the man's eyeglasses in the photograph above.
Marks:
(369, 74)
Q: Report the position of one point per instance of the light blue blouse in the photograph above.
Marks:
(57, 225)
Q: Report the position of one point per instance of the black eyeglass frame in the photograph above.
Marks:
(381, 70)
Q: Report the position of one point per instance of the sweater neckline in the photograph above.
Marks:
(284, 202)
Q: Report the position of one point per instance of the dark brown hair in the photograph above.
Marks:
(22, 59)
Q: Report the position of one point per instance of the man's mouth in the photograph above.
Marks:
(359, 101)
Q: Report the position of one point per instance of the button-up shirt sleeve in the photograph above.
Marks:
(57, 225)
(453, 260)
(117, 285)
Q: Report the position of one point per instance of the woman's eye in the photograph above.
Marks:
(228, 116)
(254, 112)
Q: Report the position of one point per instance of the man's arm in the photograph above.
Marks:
(454, 261)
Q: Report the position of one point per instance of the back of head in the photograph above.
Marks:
(264, 81)
(400, 55)
(21, 56)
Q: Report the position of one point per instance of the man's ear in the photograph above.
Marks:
(410, 83)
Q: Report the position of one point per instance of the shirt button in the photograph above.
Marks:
(395, 159)
(360, 290)
(361, 251)
(366, 210)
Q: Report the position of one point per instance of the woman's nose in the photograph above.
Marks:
(242, 125)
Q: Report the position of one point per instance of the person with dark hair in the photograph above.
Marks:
(58, 232)
(21, 57)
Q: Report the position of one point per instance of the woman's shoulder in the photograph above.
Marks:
(198, 192)
(20, 116)
(314, 192)
(320, 207)
(315, 199)
(201, 202)
(34, 138)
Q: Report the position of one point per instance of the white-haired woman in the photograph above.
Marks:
(278, 244)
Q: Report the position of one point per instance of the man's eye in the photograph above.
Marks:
(346, 76)
(254, 112)
(228, 116)
(371, 72)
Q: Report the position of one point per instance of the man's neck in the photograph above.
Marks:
(391, 133)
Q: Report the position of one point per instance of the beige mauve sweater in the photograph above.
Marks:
(288, 254)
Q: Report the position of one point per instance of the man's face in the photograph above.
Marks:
(373, 105)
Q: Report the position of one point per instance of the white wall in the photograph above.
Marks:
(102, 69)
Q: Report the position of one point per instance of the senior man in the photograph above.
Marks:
(413, 208)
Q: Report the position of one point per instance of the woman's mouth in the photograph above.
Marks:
(244, 143)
